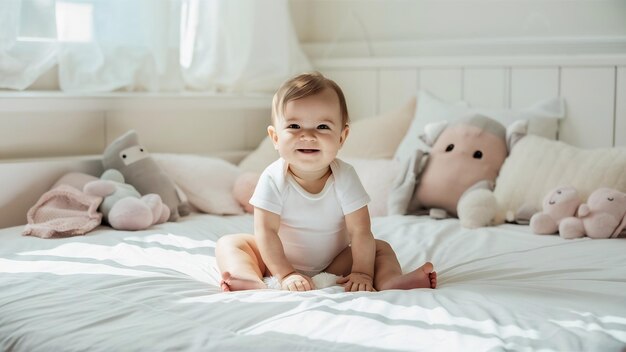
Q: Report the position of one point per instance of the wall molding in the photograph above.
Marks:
(33, 101)
(357, 63)
(516, 46)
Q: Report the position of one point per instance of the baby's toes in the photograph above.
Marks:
(433, 279)
(224, 286)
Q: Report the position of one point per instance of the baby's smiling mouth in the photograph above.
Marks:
(308, 150)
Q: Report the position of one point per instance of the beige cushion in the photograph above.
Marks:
(536, 165)
(378, 137)
(370, 138)
(260, 158)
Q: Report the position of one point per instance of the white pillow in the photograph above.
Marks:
(430, 109)
(377, 176)
(206, 181)
(536, 165)
(543, 118)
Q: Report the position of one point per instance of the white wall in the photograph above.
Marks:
(579, 25)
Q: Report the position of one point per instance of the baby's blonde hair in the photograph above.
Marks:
(302, 86)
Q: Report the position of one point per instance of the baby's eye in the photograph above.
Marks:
(323, 127)
(449, 147)
(478, 154)
(294, 126)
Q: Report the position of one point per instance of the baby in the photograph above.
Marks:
(310, 208)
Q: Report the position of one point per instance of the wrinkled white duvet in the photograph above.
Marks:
(500, 288)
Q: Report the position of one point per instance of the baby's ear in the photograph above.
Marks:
(271, 131)
(344, 134)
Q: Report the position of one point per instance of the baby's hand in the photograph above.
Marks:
(357, 282)
(297, 282)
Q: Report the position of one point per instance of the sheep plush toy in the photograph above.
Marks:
(140, 170)
(457, 176)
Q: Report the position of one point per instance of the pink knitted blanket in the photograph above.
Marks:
(62, 212)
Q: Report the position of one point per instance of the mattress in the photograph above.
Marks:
(499, 288)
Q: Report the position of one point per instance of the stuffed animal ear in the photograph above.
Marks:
(516, 131)
(432, 132)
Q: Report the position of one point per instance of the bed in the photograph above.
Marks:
(499, 287)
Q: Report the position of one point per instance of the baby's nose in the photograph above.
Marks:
(307, 135)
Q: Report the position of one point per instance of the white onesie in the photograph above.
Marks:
(312, 226)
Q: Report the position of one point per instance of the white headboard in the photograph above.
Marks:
(593, 86)
(38, 125)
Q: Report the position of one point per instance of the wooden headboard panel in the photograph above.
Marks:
(37, 126)
(594, 87)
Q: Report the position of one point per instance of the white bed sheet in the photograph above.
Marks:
(500, 288)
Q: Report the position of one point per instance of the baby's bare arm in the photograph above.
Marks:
(363, 247)
(266, 226)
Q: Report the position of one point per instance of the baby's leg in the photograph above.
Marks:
(388, 274)
(422, 277)
(240, 263)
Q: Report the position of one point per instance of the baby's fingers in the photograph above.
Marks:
(298, 286)
(292, 286)
(348, 286)
(342, 280)
(306, 285)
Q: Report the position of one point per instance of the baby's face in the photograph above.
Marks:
(310, 133)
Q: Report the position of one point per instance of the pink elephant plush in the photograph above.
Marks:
(560, 203)
(603, 216)
(457, 176)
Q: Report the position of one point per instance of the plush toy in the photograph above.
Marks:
(126, 155)
(603, 216)
(77, 180)
(123, 207)
(560, 203)
(457, 176)
(244, 188)
(522, 215)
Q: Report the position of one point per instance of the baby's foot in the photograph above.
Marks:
(422, 277)
(231, 283)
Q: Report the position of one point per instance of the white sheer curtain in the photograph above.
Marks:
(168, 45)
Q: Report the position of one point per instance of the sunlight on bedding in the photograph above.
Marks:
(373, 306)
(195, 266)
(595, 327)
(58, 267)
(173, 240)
(355, 329)
(605, 320)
